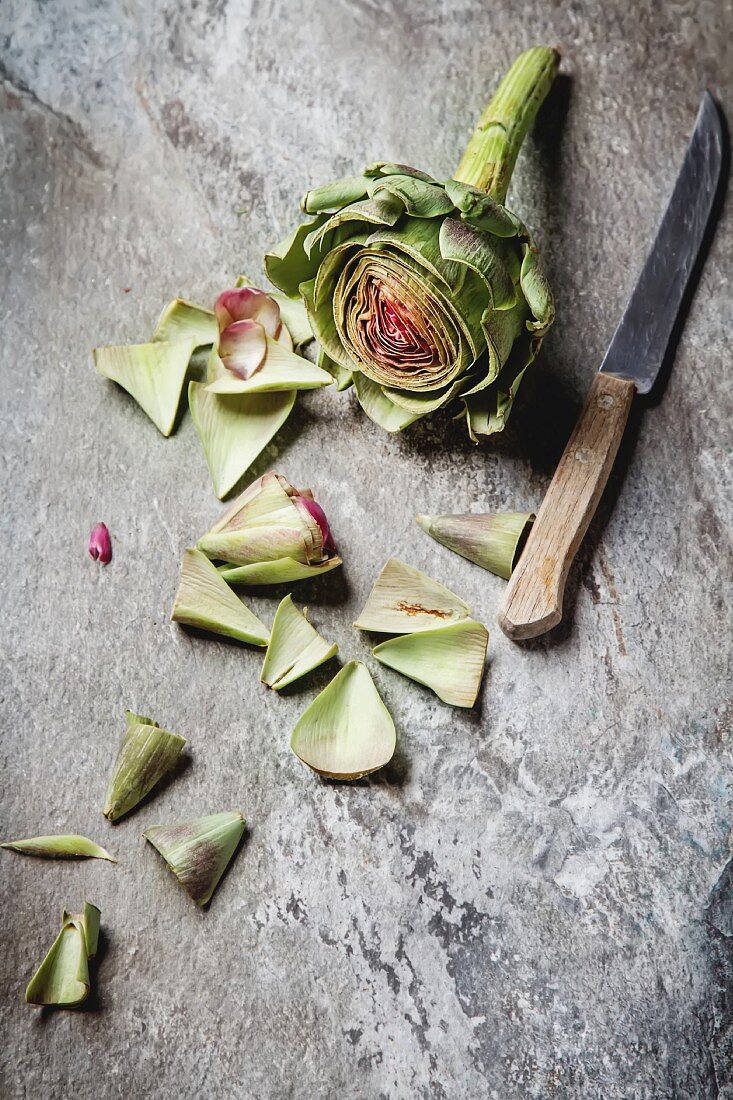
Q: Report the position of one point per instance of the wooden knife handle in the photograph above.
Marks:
(534, 595)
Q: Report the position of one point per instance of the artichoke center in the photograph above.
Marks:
(390, 324)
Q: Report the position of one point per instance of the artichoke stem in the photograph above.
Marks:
(490, 155)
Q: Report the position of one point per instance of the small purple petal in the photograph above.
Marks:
(243, 348)
(100, 544)
(317, 513)
(248, 304)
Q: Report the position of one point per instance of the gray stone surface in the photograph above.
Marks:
(533, 900)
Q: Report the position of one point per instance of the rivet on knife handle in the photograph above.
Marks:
(534, 596)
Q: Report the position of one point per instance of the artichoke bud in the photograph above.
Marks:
(272, 532)
(430, 290)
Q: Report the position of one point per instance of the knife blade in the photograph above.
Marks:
(639, 344)
(534, 596)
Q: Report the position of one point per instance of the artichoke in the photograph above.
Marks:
(423, 293)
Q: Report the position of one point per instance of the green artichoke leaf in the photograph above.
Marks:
(279, 571)
(383, 210)
(295, 647)
(476, 249)
(198, 851)
(281, 371)
(342, 377)
(448, 659)
(487, 411)
(287, 264)
(347, 731)
(235, 428)
(321, 316)
(480, 210)
(420, 404)
(379, 408)
(182, 320)
(334, 195)
(206, 601)
(419, 238)
(501, 329)
(536, 290)
(389, 168)
(420, 199)
(69, 846)
(153, 374)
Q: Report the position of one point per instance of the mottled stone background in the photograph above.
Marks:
(533, 900)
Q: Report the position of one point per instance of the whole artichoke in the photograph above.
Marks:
(426, 293)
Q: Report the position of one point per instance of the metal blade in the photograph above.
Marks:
(639, 344)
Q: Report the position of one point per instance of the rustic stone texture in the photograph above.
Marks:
(534, 899)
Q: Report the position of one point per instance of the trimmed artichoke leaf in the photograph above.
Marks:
(379, 408)
(182, 320)
(62, 979)
(235, 428)
(389, 168)
(70, 846)
(198, 851)
(292, 311)
(342, 377)
(295, 648)
(146, 754)
(153, 374)
(536, 290)
(406, 601)
(347, 731)
(493, 540)
(474, 248)
(279, 571)
(206, 601)
(448, 659)
(420, 199)
(287, 265)
(480, 210)
(332, 196)
(382, 210)
(282, 371)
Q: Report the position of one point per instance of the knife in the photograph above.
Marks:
(534, 597)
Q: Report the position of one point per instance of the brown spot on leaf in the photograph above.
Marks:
(418, 609)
